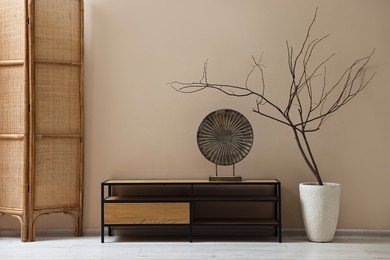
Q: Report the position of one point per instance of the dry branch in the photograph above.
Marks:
(309, 103)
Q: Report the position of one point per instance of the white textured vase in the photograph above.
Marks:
(320, 210)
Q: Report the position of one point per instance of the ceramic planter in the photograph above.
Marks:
(320, 210)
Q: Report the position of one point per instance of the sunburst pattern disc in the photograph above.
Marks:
(225, 137)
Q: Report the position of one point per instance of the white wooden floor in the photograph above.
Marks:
(293, 247)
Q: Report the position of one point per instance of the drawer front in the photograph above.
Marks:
(146, 213)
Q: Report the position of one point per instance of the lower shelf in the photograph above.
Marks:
(198, 232)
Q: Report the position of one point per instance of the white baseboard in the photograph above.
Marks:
(286, 232)
(343, 232)
(362, 232)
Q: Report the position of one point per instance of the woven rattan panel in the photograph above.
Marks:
(56, 162)
(12, 172)
(57, 30)
(13, 118)
(57, 99)
(12, 30)
(57, 104)
(12, 99)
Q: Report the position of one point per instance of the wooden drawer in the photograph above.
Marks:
(147, 213)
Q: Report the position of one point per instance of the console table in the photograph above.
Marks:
(181, 202)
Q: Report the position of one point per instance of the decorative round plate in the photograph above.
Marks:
(225, 137)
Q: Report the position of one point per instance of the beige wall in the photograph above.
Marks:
(136, 126)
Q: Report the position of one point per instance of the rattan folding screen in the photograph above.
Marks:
(41, 110)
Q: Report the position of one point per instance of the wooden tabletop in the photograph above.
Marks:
(188, 181)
